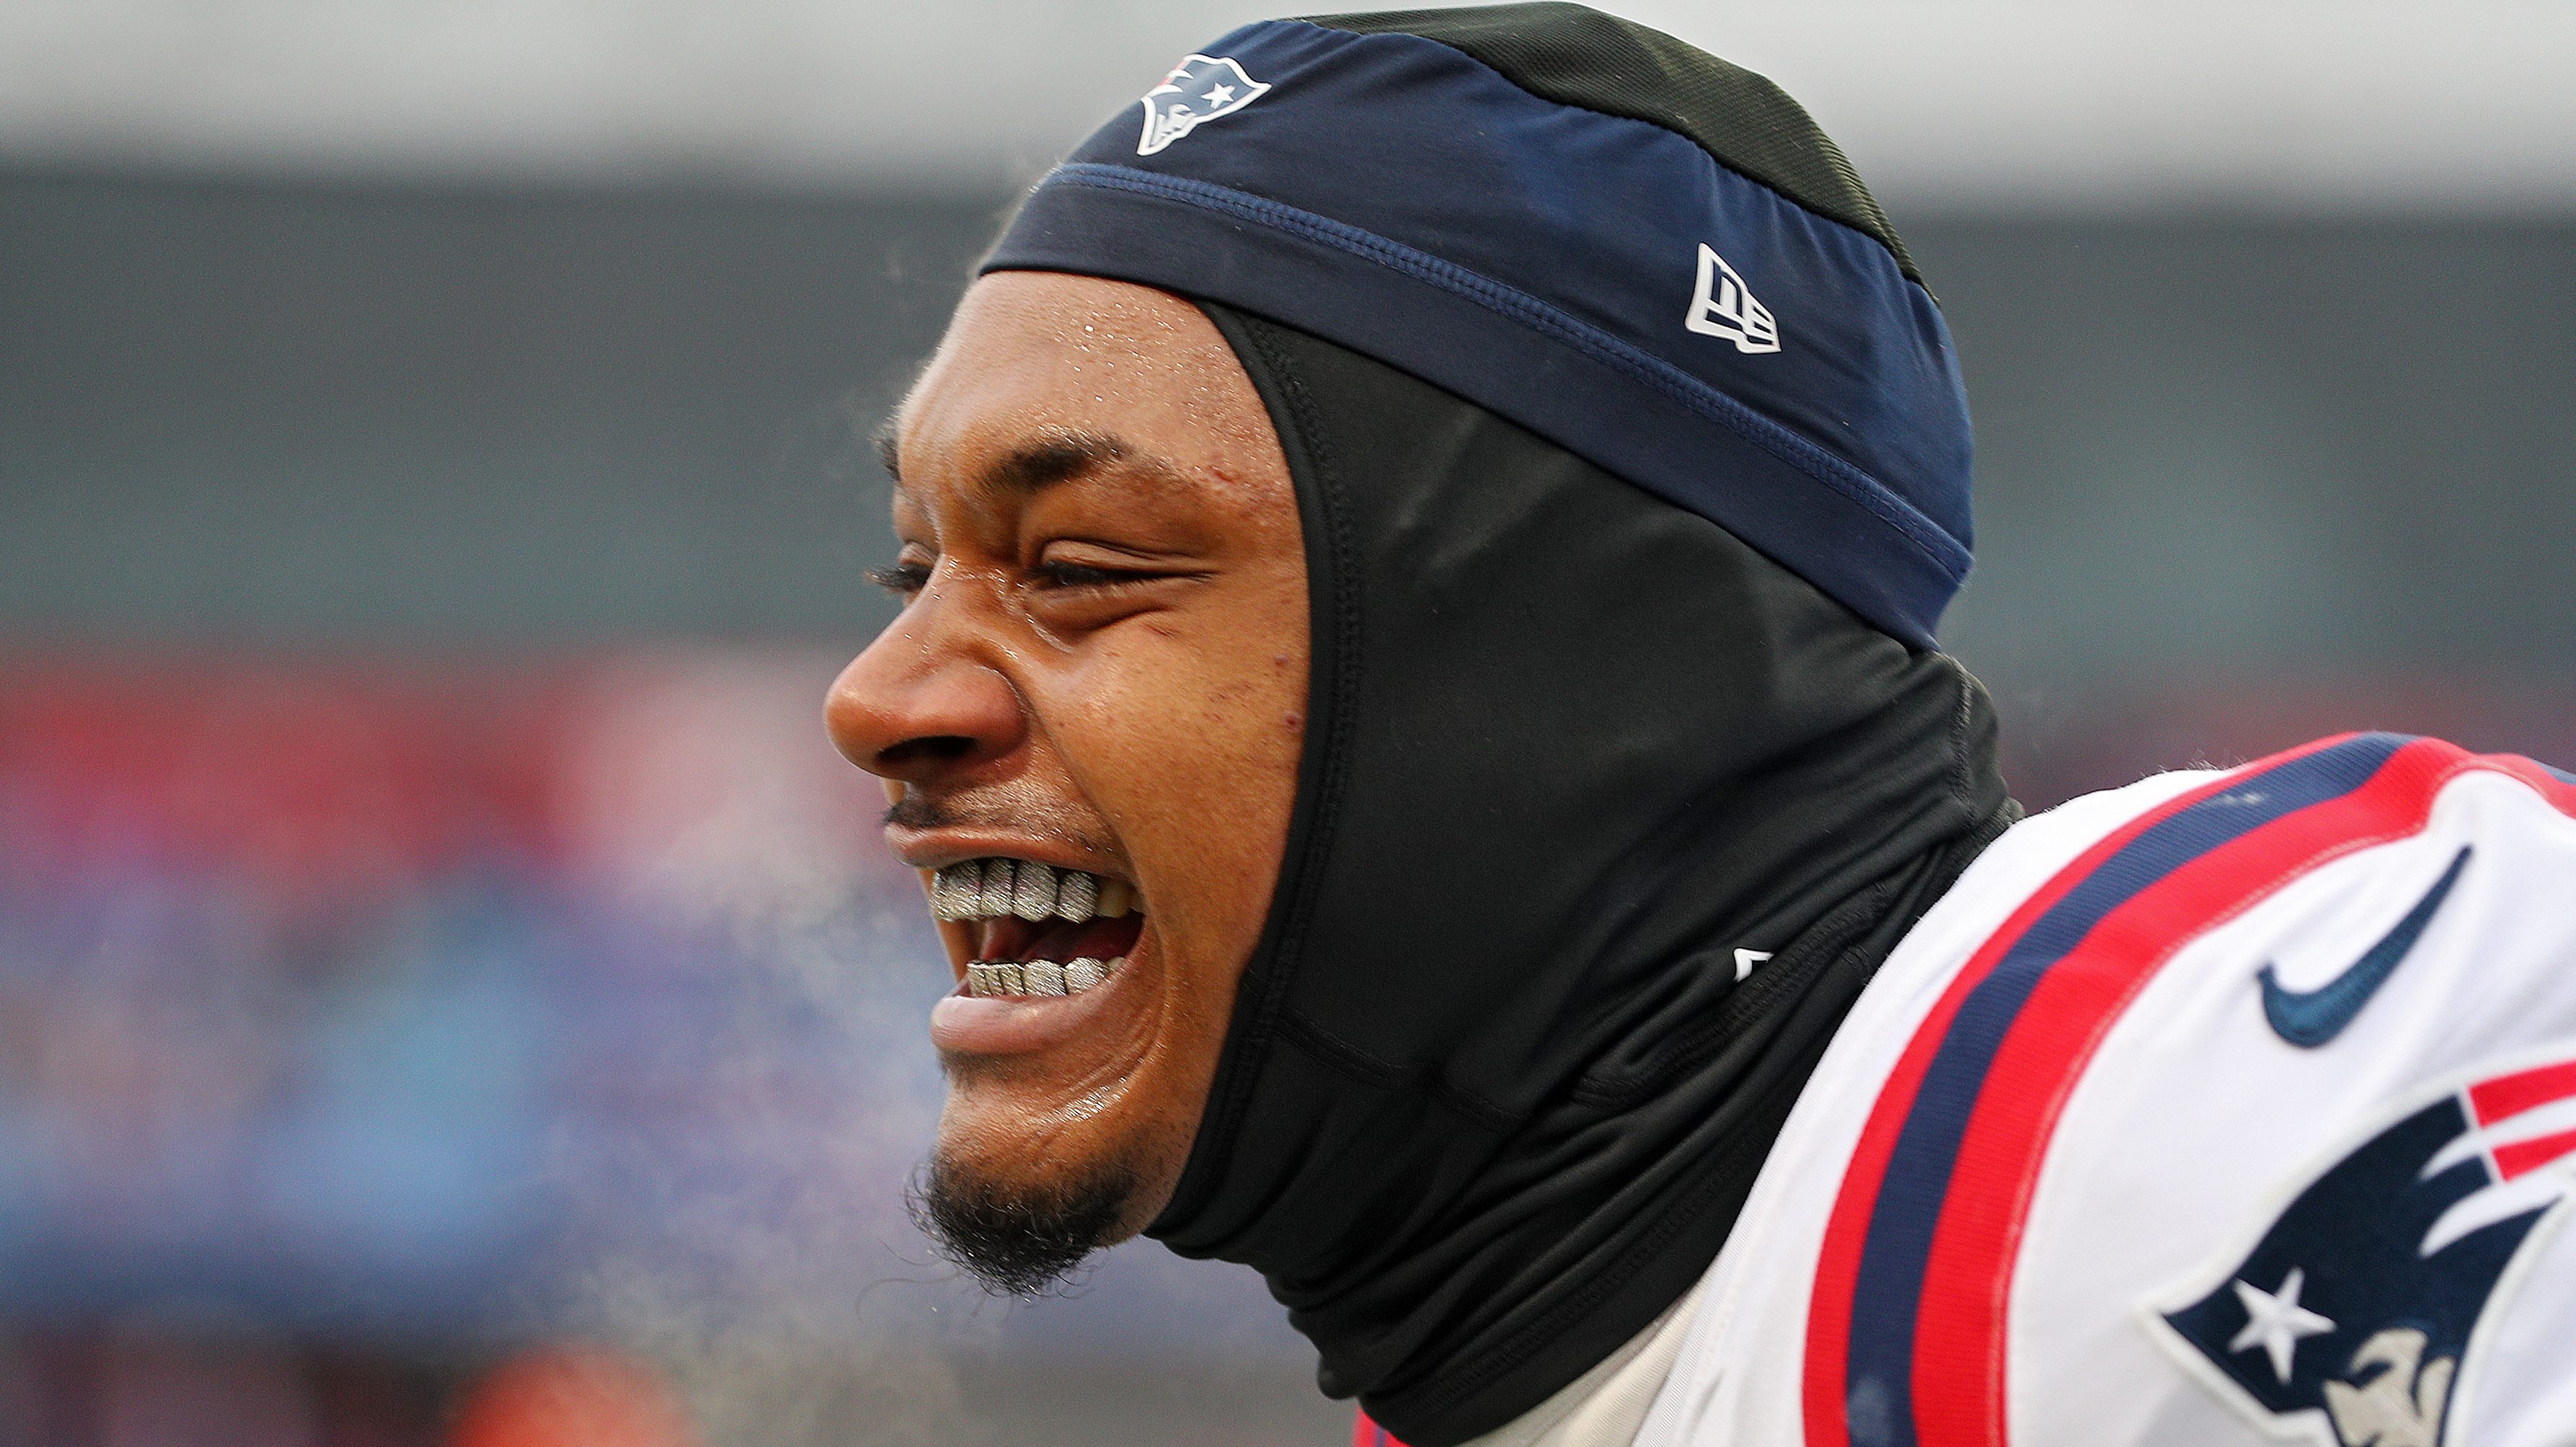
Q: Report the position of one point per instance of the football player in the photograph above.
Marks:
(1417, 709)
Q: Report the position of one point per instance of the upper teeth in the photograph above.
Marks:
(994, 888)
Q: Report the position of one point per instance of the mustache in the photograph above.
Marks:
(923, 809)
(917, 810)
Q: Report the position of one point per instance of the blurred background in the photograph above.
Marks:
(449, 991)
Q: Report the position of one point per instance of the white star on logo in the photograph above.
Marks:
(2275, 1321)
(1219, 96)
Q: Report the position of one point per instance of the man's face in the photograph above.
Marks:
(1101, 667)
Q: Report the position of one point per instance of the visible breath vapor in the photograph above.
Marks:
(743, 1228)
(736, 1236)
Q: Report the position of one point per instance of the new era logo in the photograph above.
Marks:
(1199, 89)
(1723, 306)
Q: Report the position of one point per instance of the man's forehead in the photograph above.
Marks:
(1044, 378)
(1041, 331)
(1049, 405)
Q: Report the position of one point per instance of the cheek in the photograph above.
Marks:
(1189, 738)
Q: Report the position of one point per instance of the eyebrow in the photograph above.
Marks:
(1034, 466)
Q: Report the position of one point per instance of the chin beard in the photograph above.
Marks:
(1018, 1239)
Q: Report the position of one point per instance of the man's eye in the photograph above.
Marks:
(904, 578)
(1059, 574)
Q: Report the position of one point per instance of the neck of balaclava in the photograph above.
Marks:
(1688, 1126)
(1497, 1084)
(1883, 821)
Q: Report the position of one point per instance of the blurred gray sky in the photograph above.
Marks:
(551, 322)
(2010, 103)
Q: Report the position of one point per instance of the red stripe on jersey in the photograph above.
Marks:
(2521, 1158)
(1960, 1337)
(1838, 1264)
(1959, 1344)
(2511, 1095)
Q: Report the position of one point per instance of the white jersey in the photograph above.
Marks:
(2220, 1110)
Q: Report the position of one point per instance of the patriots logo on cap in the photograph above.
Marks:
(2348, 1321)
(1199, 89)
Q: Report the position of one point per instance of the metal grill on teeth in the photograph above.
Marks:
(994, 888)
(1038, 977)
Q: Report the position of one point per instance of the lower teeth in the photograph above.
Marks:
(1013, 978)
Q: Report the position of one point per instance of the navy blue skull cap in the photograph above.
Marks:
(1648, 256)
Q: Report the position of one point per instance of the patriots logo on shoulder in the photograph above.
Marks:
(2350, 1319)
(1199, 89)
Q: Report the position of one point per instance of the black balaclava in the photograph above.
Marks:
(1634, 469)
(1494, 1092)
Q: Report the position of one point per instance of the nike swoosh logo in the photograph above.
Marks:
(2310, 1018)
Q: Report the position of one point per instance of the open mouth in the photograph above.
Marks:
(1038, 930)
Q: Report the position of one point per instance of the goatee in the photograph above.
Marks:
(1018, 1240)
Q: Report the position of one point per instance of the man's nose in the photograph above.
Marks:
(921, 701)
